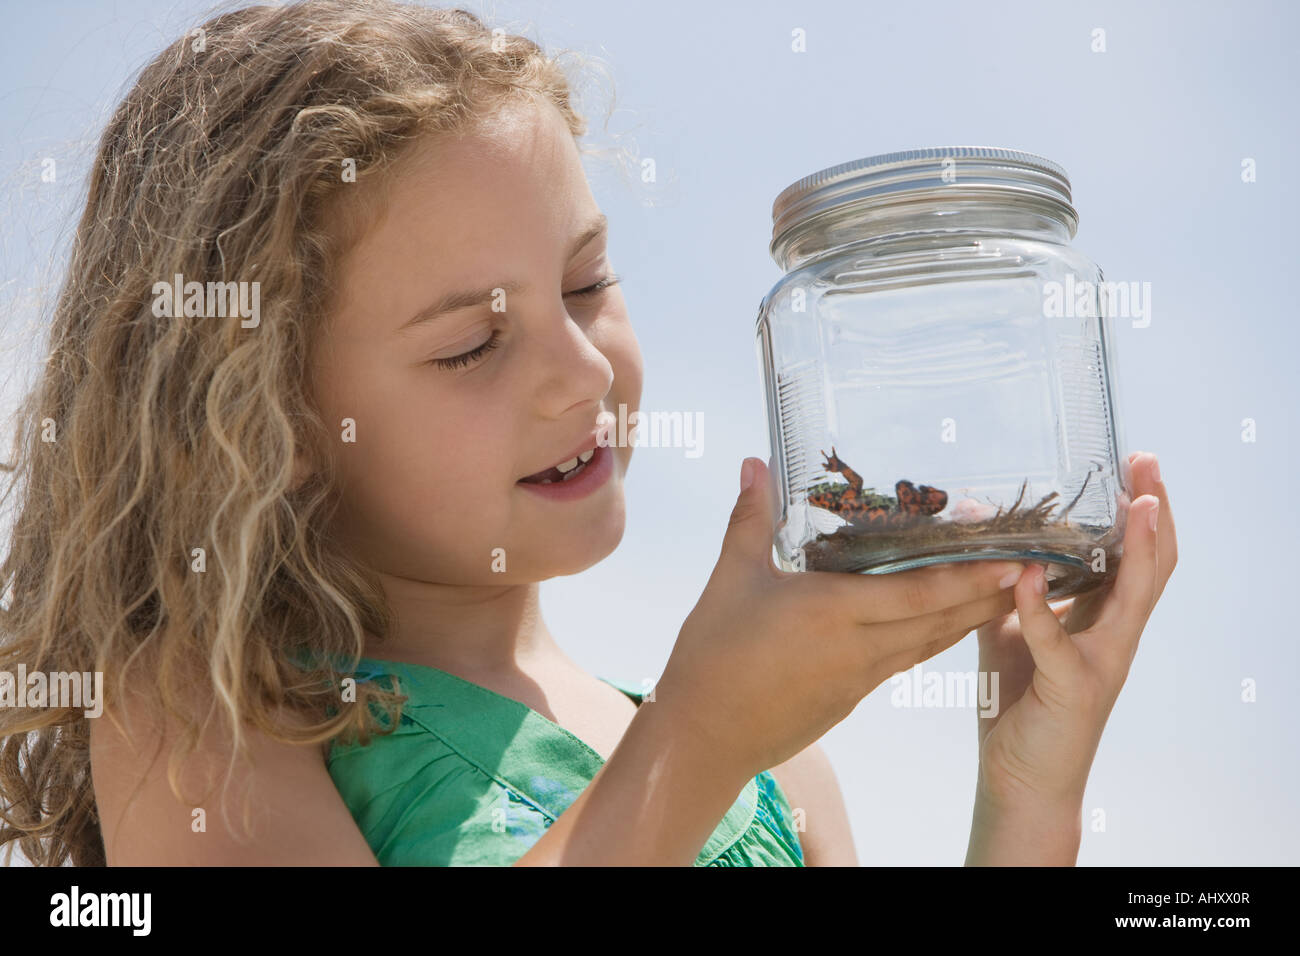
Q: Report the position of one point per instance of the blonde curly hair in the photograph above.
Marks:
(222, 163)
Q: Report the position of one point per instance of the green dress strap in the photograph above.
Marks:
(471, 777)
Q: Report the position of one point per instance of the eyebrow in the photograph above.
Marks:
(453, 301)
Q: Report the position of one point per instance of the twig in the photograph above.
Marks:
(1078, 496)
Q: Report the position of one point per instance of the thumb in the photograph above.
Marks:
(1053, 650)
(748, 542)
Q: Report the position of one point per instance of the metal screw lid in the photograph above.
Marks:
(922, 174)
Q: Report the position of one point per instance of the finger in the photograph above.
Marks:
(747, 543)
(909, 594)
(898, 646)
(1049, 643)
(1133, 594)
(1007, 629)
(1145, 473)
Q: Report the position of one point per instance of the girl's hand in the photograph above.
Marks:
(769, 660)
(1061, 669)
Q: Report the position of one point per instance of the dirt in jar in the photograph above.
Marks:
(885, 533)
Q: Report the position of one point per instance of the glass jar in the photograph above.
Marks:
(939, 371)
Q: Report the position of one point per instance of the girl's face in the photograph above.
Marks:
(453, 409)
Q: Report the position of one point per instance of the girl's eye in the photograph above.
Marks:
(599, 287)
(458, 361)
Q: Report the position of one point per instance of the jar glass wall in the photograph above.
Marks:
(939, 371)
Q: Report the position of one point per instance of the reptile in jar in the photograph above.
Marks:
(862, 508)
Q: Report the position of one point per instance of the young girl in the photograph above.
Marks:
(304, 546)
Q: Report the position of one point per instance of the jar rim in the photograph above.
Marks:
(922, 174)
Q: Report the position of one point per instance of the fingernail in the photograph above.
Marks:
(746, 474)
(1155, 467)
(1040, 585)
(1155, 514)
(1011, 577)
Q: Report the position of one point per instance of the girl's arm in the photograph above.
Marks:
(653, 803)
(1036, 836)
(810, 785)
(298, 817)
(1062, 670)
(741, 694)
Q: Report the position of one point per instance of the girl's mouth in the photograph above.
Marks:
(564, 471)
(575, 478)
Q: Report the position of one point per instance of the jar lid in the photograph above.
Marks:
(919, 174)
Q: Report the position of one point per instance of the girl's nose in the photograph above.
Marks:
(571, 368)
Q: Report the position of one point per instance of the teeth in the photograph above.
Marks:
(569, 469)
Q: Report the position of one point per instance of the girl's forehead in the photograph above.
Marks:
(468, 209)
(492, 171)
(515, 134)
(494, 187)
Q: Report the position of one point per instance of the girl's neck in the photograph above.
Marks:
(464, 629)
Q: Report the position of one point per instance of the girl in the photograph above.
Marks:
(304, 550)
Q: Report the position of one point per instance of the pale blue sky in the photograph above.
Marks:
(1152, 132)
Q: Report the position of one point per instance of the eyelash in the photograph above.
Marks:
(599, 287)
(459, 361)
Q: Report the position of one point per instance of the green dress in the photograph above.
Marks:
(473, 778)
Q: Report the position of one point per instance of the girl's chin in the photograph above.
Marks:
(576, 551)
